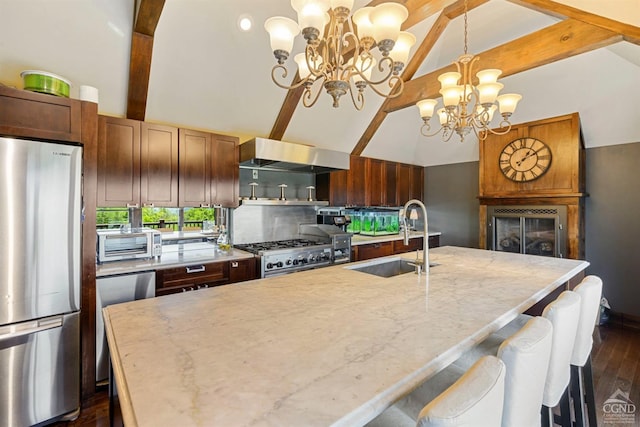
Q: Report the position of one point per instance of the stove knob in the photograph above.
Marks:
(295, 262)
(279, 264)
(312, 258)
(303, 260)
(289, 262)
(269, 265)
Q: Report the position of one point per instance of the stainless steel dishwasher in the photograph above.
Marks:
(114, 290)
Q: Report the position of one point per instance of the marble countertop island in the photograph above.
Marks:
(332, 346)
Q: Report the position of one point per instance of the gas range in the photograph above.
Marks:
(287, 256)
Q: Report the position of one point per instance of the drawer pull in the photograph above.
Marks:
(205, 286)
(196, 269)
(234, 264)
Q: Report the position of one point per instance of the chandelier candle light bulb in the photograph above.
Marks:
(468, 106)
(337, 54)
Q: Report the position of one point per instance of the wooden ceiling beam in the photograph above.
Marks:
(448, 13)
(147, 15)
(559, 41)
(629, 33)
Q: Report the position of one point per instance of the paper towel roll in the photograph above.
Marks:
(89, 93)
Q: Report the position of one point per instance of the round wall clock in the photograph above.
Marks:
(525, 159)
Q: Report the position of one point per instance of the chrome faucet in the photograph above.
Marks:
(424, 263)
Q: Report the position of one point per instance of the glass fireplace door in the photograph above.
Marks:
(527, 230)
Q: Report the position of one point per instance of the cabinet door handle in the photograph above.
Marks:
(234, 264)
(205, 205)
(133, 205)
(205, 286)
(147, 205)
(196, 269)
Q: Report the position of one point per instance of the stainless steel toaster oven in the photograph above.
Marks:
(117, 245)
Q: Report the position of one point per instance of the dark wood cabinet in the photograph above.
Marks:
(417, 183)
(206, 275)
(146, 164)
(195, 168)
(137, 163)
(356, 181)
(242, 270)
(332, 187)
(373, 250)
(389, 186)
(374, 185)
(34, 115)
(371, 182)
(158, 165)
(191, 277)
(403, 183)
(414, 244)
(118, 162)
(225, 171)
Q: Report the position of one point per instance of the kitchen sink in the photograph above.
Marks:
(386, 268)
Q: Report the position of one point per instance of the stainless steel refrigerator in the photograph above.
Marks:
(40, 264)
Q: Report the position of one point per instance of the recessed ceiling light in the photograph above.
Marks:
(245, 22)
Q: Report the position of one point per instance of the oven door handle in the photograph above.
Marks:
(196, 269)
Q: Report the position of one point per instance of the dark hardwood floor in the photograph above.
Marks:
(616, 366)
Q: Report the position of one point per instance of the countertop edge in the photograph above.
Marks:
(137, 266)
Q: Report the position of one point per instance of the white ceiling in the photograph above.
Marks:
(207, 74)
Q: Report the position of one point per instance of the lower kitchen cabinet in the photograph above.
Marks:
(205, 275)
(191, 277)
(376, 250)
(242, 270)
(373, 250)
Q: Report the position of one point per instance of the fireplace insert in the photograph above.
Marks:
(533, 230)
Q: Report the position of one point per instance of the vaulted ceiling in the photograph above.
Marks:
(186, 62)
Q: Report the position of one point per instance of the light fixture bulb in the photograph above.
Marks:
(281, 32)
(449, 79)
(426, 107)
(387, 19)
(400, 51)
(508, 103)
(488, 76)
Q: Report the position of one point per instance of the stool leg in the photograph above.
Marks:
(546, 415)
(577, 395)
(565, 409)
(589, 393)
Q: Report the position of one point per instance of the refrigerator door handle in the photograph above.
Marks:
(28, 328)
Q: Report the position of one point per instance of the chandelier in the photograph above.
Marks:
(341, 58)
(467, 106)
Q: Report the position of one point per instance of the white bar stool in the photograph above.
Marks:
(582, 393)
(563, 313)
(526, 355)
(477, 398)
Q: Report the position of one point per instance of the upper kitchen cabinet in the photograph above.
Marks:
(146, 164)
(195, 168)
(225, 185)
(118, 162)
(371, 182)
(389, 187)
(417, 182)
(209, 169)
(34, 115)
(158, 165)
(403, 183)
(357, 182)
(137, 163)
(374, 185)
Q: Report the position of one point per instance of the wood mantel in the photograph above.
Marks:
(562, 184)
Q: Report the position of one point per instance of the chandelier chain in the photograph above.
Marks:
(465, 27)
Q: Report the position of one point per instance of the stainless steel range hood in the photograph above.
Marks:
(287, 156)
